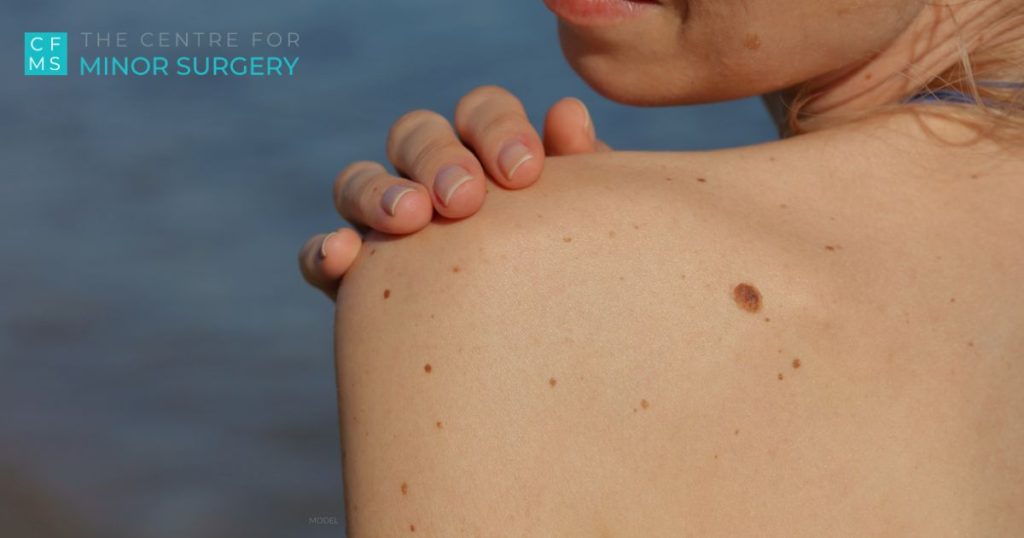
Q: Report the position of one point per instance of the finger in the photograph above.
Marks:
(366, 194)
(325, 258)
(494, 124)
(568, 129)
(424, 148)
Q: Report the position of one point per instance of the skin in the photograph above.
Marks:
(885, 254)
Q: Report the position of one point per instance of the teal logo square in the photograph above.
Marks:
(46, 53)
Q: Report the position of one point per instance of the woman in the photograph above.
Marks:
(813, 337)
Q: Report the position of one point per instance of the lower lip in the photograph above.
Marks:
(599, 12)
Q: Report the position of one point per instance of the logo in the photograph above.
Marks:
(46, 53)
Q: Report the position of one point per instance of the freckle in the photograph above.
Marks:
(373, 251)
(634, 410)
(440, 425)
(412, 528)
(780, 351)
(387, 293)
(567, 239)
(767, 320)
(796, 363)
(783, 206)
(752, 42)
(867, 76)
(747, 297)
(432, 316)
(552, 382)
(970, 344)
(780, 376)
(645, 404)
(668, 179)
(737, 432)
(405, 488)
(622, 278)
(636, 226)
(611, 233)
(952, 299)
(428, 368)
(456, 269)
(830, 248)
(701, 180)
(771, 158)
(974, 176)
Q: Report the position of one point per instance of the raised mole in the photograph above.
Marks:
(747, 297)
(387, 293)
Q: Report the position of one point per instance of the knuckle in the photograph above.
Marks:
(409, 121)
(353, 178)
(432, 151)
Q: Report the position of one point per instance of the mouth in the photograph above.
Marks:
(600, 12)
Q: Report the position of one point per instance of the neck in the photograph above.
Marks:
(939, 38)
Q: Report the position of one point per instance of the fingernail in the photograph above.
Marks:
(448, 180)
(323, 245)
(586, 113)
(391, 197)
(512, 156)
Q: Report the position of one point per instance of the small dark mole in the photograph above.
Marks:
(752, 42)
(636, 226)
(974, 176)
(405, 488)
(771, 158)
(440, 425)
(432, 316)
(645, 404)
(456, 269)
(552, 382)
(611, 233)
(427, 368)
(622, 278)
(867, 76)
(567, 239)
(716, 456)
(796, 363)
(830, 248)
(779, 351)
(387, 293)
(668, 179)
(952, 299)
(634, 410)
(701, 180)
(767, 320)
(373, 251)
(783, 206)
(780, 376)
(412, 528)
(970, 344)
(737, 432)
(747, 297)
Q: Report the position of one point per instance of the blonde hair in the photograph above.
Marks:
(992, 79)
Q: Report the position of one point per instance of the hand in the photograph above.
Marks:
(443, 169)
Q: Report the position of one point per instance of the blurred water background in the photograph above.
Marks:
(163, 370)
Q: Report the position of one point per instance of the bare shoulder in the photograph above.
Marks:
(715, 344)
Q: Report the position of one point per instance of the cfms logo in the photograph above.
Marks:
(46, 53)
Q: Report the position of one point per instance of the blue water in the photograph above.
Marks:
(163, 370)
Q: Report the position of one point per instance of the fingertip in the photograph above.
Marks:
(568, 128)
(521, 161)
(459, 193)
(411, 213)
(336, 253)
